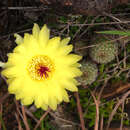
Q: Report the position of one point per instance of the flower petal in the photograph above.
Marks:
(36, 31)
(53, 103)
(53, 43)
(65, 41)
(44, 106)
(70, 84)
(65, 96)
(65, 50)
(19, 39)
(27, 101)
(44, 36)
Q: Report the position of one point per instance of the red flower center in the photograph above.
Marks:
(43, 71)
(40, 67)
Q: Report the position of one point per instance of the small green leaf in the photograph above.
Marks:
(116, 32)
(101, 68)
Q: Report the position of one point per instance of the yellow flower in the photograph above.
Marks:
(40, 69)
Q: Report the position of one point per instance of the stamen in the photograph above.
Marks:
(40, 67)
(43, 71)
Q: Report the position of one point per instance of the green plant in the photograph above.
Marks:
(45, 124)
(104, 52)
(2, 122)
(105, 108)
(90, 72)
(116, 32)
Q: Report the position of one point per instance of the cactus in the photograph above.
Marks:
(90, 72)
(104, 52)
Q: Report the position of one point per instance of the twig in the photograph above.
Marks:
(100, 93)
(25, 8)
(97, 111)
(101, 123)
(61, 119)
(79, 29)
(2, 124)
(114, 19)
(87, 104)
(124, 61)
(97, 103)
(121, 14)
(118, 90)
(117, 66)
(107, 23)
(116, 72)
(88, 28)
(0, 115)
(121, 125)
(80, 111)
(122, 37)
(122, 70)
(66, 27)
(18, 120)
(31, 115)
(45, 1)
(4, 97)
(25, 118)
(43, 116)
(85, 47)
(128, 74)
(26, 30)
(17, 108)
(116, 107)
(111, 16)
